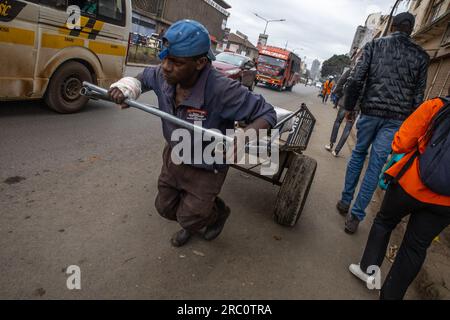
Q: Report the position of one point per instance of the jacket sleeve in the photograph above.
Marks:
(149, 78)
(358, 77)
(415, 127)
(421, 83)
(239, 104)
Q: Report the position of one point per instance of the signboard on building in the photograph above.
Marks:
(262, 40)
(217, 7)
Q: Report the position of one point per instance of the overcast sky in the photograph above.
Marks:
(314, 28)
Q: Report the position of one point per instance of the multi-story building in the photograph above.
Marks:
(357, 39)
(373, 28)
(432, 32)
(155, 16)
(315, 68)
(375, 25)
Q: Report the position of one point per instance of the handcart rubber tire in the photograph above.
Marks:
(294, 189)
(63, 91)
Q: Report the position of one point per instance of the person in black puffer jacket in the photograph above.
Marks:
(390, 77)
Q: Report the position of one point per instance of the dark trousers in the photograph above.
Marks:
(337, 124)
(325, 98)
(426, 222)
(187, 194)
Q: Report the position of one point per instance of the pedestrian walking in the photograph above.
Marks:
(338, 90)
(326, 90)
(341, 115)
(188, 87)
(389, 97)
(418, 187)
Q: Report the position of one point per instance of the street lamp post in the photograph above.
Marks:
(267, 21)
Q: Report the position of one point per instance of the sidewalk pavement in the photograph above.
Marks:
(433, 281)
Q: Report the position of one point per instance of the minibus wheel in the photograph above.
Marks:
(63, 92)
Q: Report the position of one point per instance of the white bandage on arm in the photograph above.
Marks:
(130, 87)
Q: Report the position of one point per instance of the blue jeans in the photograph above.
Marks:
(379, 133)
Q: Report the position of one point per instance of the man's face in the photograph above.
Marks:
(181, 70)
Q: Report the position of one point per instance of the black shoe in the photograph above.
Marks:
(180, 238)
(342, 208)
(351, 224)
(214, 230)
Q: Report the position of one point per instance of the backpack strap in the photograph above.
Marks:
(406, 166)
(441, 116)
(444, 112)
(446, 100)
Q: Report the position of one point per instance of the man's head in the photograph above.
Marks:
(403, 22)
(187, 50)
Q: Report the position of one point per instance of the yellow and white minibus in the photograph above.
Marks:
(49, 47)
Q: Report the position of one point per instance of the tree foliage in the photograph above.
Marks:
(335, 65)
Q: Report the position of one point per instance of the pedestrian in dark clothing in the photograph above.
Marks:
(160, 38)
(341, 115)
(393, 72)
(338, 90)
(188, 87)
(409, 195)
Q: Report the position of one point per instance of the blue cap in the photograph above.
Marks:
(187, 38)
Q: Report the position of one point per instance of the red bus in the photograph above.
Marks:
(278, 68)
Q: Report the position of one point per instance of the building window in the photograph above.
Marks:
(435, 10)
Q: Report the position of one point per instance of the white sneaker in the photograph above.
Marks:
(355, 269)
(328, 147)
(334, 154)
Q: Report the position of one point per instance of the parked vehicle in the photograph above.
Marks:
(238, 67)
(278, 68)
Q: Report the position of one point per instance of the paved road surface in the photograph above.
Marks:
(83, 195)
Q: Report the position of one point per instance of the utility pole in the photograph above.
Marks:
(388, 24)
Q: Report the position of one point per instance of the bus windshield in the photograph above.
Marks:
(272, 61)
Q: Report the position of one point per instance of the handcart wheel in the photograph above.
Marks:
(294, 189)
